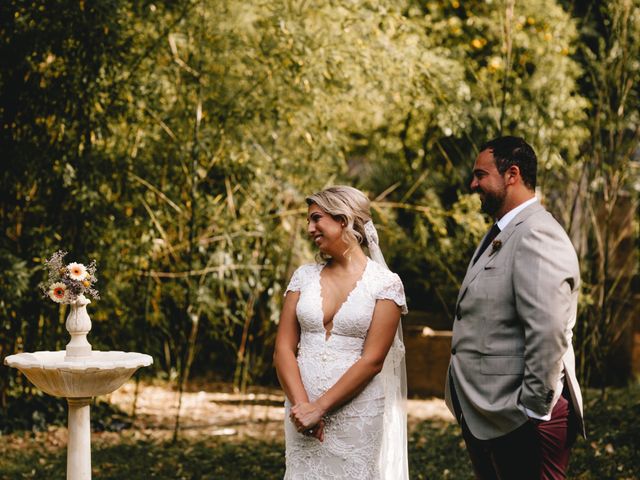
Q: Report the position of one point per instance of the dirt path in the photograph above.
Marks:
(208, 411)
(212, 410)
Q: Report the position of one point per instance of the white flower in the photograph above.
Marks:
(77, 271)
(58, 292)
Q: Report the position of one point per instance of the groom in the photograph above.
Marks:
(511, 382)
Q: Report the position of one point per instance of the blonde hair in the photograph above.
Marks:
(345, 204)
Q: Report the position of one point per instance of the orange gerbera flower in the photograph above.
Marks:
(58, 292)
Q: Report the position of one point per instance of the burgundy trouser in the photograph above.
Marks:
(536, 450)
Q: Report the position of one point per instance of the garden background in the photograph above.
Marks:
(175, 141)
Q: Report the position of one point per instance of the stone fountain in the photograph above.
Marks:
(78, 374)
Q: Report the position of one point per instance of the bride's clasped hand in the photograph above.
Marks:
(308, 419)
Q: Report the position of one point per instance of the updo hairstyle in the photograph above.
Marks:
(346, 205)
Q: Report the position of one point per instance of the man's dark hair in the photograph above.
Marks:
(509, 151)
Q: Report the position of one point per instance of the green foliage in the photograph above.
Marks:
(57, 68)
(601, 205)
(438, 451)
(33, 412)
(38, 412)
(491, 69)
(611, 448)
(175, 142)
(202, 459)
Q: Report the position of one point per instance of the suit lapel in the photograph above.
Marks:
(488, 255)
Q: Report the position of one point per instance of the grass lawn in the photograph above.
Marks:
(436, 451)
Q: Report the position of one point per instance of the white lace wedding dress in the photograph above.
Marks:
(353, 433)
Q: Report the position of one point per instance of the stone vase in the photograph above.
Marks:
(78, 325)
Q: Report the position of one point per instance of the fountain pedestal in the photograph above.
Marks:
(79, 447)
(78, 374)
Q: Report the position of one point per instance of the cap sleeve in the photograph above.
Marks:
(392, 289)
(295, 284)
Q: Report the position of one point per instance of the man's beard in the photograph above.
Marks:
(492, 202)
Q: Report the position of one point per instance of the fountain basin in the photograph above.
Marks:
(96, 374)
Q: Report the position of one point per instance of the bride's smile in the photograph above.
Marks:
(325, 230)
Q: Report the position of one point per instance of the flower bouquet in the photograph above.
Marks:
(67, 283)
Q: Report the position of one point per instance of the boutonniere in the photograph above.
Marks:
(495, 246)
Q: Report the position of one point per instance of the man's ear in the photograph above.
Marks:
(512, 175)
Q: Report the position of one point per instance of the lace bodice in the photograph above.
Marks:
(353, 432)
(354, 316)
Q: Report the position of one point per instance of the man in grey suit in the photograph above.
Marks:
(511, 382)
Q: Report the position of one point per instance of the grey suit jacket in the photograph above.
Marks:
(513, 328)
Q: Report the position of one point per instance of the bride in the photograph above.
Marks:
(339, 353)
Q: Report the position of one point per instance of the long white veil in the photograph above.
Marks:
(394, 461)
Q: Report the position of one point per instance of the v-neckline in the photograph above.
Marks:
(346, 300)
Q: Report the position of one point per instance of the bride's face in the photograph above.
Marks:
(325, 230)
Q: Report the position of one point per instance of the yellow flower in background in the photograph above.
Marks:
(495, 64)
